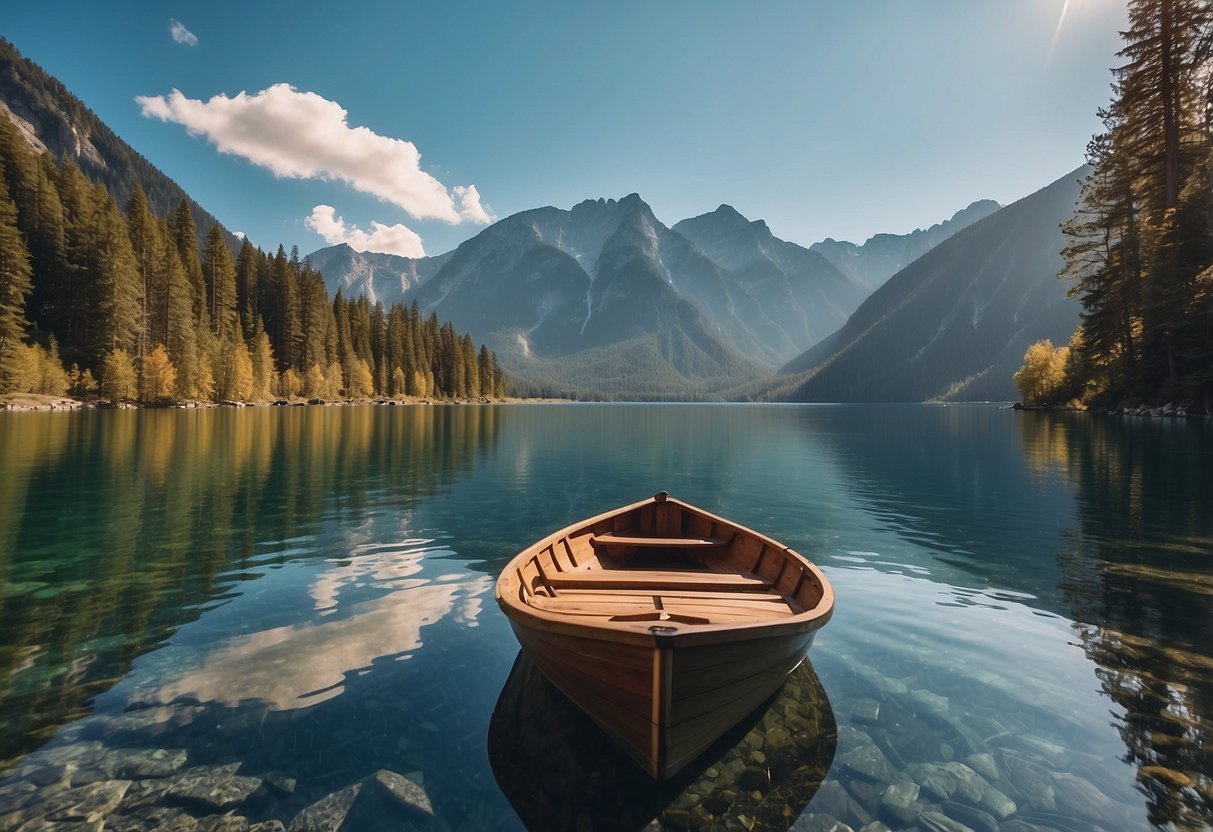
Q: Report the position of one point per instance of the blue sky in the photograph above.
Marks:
(827, 119)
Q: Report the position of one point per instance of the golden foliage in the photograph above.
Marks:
(158, 377)
(1042, 378)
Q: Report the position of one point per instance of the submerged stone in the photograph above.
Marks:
(997, 803)
(1080, 797)
(817, 822)
(145, 763)
(974, 818)
(280, 783)
(403, 792)
(868, 761)
(936, 822)
(865, 711)
(328, 813)
(214, 787)
(96, 801)
(223, 823)
(984, 765)
(900, 801)
(928, 702)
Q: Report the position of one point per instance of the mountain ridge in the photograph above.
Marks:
(969, 307)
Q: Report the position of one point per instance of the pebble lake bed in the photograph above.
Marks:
(282, 618)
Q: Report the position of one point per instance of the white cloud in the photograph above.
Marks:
(239, 234)
(181, 34)
(390, 239)
(469, 205)
(301, 135)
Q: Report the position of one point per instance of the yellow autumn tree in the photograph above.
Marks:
(291, 384)
(157, 377)
(1042, 378)
(314, 383)
(362, 383)
(119, 381)
(263, 368)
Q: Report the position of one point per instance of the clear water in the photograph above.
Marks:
(306, 593)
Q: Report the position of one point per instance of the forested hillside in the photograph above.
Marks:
(130, 299)
(1139, 250)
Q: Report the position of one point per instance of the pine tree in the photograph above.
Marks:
(113, 321)
(247, 290)
(185, 238)
(15, 285)
(220, 276)
(141, 226)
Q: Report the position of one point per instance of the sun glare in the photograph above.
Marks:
(1061, 19)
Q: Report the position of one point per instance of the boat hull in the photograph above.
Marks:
(664, 705)
(666, 624)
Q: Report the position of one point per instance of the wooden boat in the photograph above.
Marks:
(666, 624)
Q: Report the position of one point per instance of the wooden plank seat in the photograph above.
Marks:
(719, 607)
(610, 539)
(654, 579)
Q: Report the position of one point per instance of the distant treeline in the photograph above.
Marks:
(1139, 248)
(92, 297)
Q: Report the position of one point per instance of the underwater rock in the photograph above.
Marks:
(984, 765)
(997, 803)
(138, 764)
(214, 787)
(43, 825)
(865, 711)
(403, 792)
(1031, 781)
(869, 762)
(223, 823)
(936, 822)
(267, 826)
(280, 784)
(328, 813)
(928, 702)
(900, 801)
(819, 823)
(144, 793)
(93, 802)
(974, 818)
(1080, 797)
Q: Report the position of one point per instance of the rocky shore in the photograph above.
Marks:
(1170, 410)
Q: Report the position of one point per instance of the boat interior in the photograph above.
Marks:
(663, 562)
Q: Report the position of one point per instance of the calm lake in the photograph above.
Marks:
(246, 612)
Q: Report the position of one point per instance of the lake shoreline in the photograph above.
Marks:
(33, 402)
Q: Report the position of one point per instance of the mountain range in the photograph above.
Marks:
(604, 300)
(884, 255)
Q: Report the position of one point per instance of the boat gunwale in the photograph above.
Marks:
(506, 589)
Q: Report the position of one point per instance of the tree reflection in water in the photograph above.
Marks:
(1138, 577)
(118, 527)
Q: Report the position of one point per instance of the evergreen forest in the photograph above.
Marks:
(1139, 248)
(101, 299)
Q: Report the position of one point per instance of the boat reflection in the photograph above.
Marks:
(560, 771)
